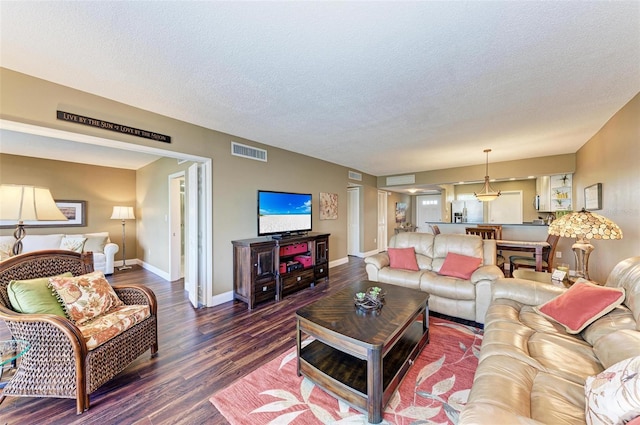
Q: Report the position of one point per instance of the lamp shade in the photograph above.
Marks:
(22, 203)
(123, 213)
(487, 194)
(584, 225)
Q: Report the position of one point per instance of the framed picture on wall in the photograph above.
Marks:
(401, 212)
(75, 211)
(328, 206)
(593, 197)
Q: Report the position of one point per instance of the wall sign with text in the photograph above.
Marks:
(118, 128)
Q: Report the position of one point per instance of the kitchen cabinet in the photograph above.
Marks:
(554, 193)
(561, 185)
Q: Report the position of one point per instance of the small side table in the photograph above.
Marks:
(10, 352)
(543, 277)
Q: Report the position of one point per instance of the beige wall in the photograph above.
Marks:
(612, 157)
(519, 169)
(152, 195)
(528, 188)
(33, 101)
(101, 187)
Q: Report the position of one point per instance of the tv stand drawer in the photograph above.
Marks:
(265, 291)
(297, 280)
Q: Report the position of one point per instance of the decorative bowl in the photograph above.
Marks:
(372, 299)
(376, 292)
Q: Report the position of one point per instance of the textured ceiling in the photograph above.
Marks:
(381, 87)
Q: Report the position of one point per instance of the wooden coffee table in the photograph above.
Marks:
(362, 356)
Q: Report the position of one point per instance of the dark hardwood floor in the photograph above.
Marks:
(201, 351)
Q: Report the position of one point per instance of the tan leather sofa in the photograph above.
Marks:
(462, 298)
(531, 370)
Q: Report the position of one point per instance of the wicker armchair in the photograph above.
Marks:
(58, 364)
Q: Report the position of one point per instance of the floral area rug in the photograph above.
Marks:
(434, 391)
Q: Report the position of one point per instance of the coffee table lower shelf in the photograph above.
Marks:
(346, 376)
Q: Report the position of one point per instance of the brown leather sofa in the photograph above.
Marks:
(531, 370)
(463, 298)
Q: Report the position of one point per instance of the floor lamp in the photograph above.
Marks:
(123, 213)
(32, 203)
(584, 226)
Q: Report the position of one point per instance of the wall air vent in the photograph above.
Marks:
(355, 176)
(406, 179)
(238, 149)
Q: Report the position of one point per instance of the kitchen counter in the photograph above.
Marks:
(514, 232)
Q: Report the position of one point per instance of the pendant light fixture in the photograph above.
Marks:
(487, 193)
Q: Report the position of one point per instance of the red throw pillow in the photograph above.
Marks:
(581, 304)
(462, 266)
(403, 258)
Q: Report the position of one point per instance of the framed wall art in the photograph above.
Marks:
(328, 206)
(401, 212)
(75, 211)
(593, 197)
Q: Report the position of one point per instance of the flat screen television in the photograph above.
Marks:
(283, 213)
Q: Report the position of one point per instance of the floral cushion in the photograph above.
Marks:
(85, 297)
(72, 244)
(116, 321)
(613, 396)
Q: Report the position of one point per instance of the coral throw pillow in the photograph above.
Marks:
(85, 297)
(581, 304)
(461, 266)
(403, 258)
(613, 396)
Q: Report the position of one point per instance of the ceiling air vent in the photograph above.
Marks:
(407, 179)
(238, 149)
(355, 176)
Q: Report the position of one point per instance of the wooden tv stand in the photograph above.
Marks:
(258, 274)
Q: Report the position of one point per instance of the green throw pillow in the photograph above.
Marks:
(34, 296)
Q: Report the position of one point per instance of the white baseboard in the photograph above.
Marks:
(367, 254)
(228, 296)
(154, 270)
(215, 300)
(338, 262)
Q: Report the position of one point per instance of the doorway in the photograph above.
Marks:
(203, 210)
(176, 224)
(382, 220)
(353, 221)
(428, 210)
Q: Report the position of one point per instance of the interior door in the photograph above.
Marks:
(353, 221)
(176, 224)
(428, 210)
(382, 221)
(192, 234)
